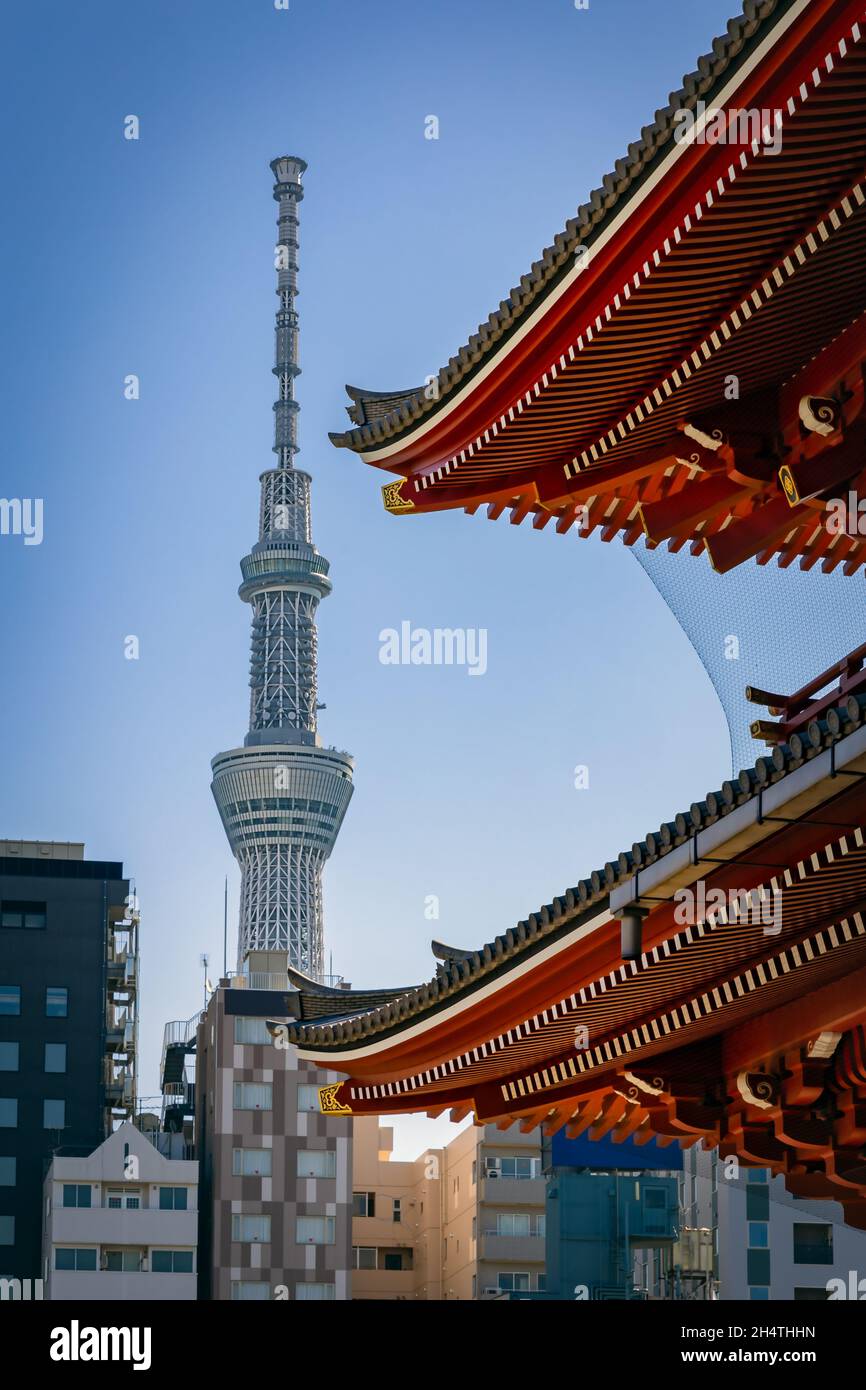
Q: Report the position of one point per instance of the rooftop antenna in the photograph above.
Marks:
(226, 929)
(203, 961)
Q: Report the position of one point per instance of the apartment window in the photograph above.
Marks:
(77, 1194)
(456, 1185)
(759, 1237)
(321, 1293)
(252, 1030)
(757, 1266)
(804, 1295)
(7, 1171)
(397, 1213)
(124, 1198)
(123, 1261)
(251, 1291)
(173, 1199)
(541, 1283)
(519, 1223)
(55, 1057)
(516, 1167)
(363, 1204)
(507, 1281)
(757, 1202)
(475, 1228)
(171, 1261)
(315, 1230)
(759, 1295)
(8, 1056)
(56, 1001)
(474, 1173)
(29, 916)
(475, 1286)
(813, 1243)
(317, 1163)
(395, 1259)
(8, 1113)
(10, 999)
(66, 1258)
(308, 1099)
(363, 1257)
(251, 1095)
(251, 1163)
(7, 1230)
(253, 1230)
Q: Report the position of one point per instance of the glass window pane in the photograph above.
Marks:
(53, 1114)
(8, 1056)
(758, 1266)
(8, 1113)
(813, 1243)
(160, 1261)
(252, 1030)
(55, 1057)
(7, 1172)
(56, 1001)
(64, 1259)
(251, 1290)
(317, 1163)
(10, 999)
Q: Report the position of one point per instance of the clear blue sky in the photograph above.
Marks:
(155, 257)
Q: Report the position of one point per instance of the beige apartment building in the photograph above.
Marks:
(464, 1222)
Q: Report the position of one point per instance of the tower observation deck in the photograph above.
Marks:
(282, 796)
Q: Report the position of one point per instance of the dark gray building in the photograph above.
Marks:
(68, 983)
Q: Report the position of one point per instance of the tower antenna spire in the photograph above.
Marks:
(288, 172)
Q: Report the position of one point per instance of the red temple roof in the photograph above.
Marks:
(685, 362)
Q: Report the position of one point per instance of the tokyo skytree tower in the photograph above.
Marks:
(282, 797)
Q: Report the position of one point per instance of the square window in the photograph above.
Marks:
(8, 1113)
(8, 1056)
(56, 1002)
(759, 1295)
(308, 1099)
(7, 1230)
(7, 1171)
(10, 999)
(317, 1163)
(813, 1243)
(172, 1198)
(251, 1163)
(54, 1114)
(55, 1057)
(77, 1194)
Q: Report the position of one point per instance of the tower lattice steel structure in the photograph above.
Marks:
(282, 797)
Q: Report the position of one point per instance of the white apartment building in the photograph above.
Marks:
(120, 1223)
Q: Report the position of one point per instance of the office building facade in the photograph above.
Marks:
(68, 985)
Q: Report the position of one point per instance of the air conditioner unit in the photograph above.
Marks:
(490, 1290)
